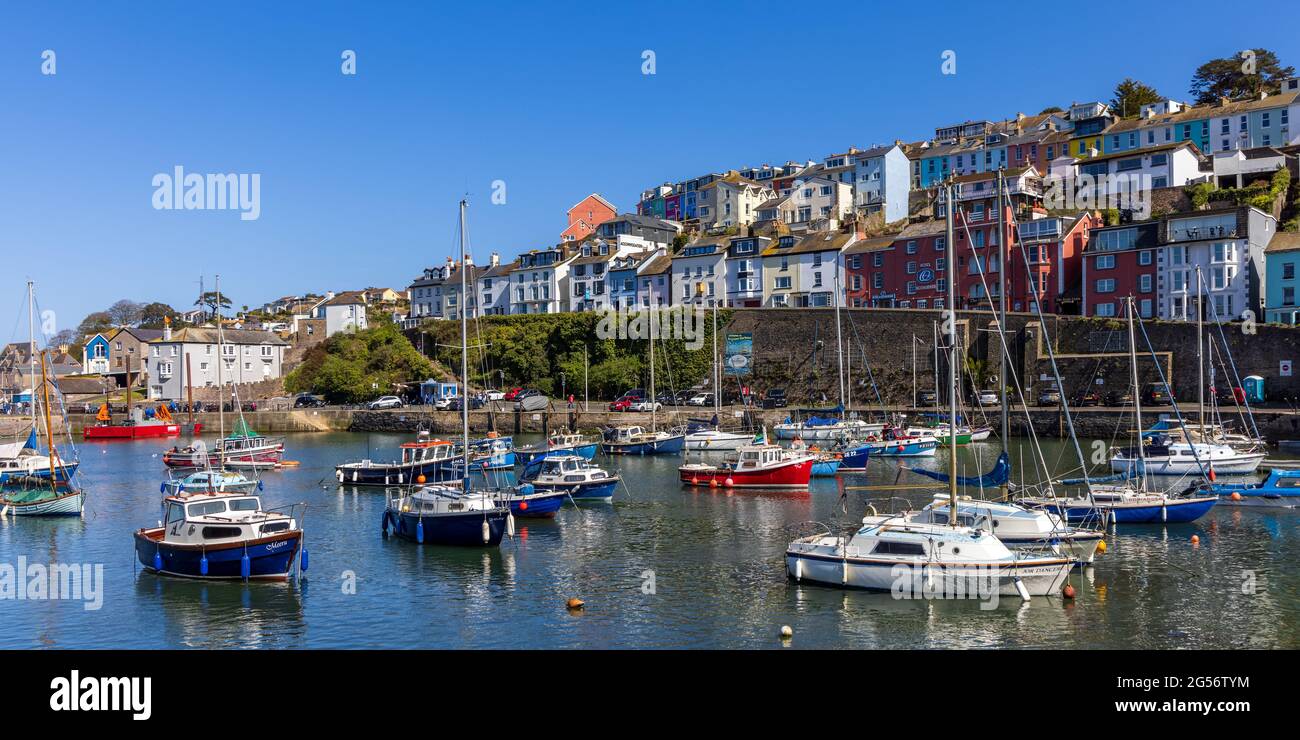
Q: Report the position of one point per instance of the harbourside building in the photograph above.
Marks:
(585, 215)
(245, 357)
(1281, 259)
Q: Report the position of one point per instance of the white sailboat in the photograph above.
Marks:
(716, 439)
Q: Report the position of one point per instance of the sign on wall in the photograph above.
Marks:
(739, 353)
(1284, 368)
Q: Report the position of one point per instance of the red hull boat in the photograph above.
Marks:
(759, 466)
(134, 431)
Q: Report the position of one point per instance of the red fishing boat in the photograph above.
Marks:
(161, 425)
(758, 466)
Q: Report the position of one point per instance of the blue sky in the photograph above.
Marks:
(360, 174)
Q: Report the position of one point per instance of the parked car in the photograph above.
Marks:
(455, 404)
(1229, 396)
(1087, 398)
(510, 394)
(666, 399)
(386, 402)
(774, 398)
(1119, 398)
(645, 405)
(1155, 395)
(987, 398)
(530, 399)
(927, 398)
(623, 402)
(493, 395)
(681, 397)
(701, 399)
(1049, 397)
(308, 401)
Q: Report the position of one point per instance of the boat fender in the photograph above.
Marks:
(162, 487)
(419, 531)
(203, 564)
(157, 561)
(510, 524)
(260, 486)
(245, 566)
(487, 532)
(383, 524)
(304, 562)
(1021, 589)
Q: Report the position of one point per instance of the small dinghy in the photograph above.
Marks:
(222, 536)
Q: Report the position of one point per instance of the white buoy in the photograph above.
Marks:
(510, 524)
(786, 632)
(487, 532)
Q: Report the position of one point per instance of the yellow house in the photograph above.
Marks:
(780, 272)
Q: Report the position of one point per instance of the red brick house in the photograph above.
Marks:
(907, 270)
(585, 216)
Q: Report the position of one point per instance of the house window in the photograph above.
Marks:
(1144, 283)
(1105, 309)
(911, 246)
(1288, 270)
(783, 283)
(1105, 262)
(1288, 296)
(1106, 286)
(1144, 308)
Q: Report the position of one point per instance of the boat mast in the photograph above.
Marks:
(654, 318)
(221, 360)
(1137, 399)
(717, 373)
(464, 358)
(49, 430)
(839, 341)
(1004, 253)
(951, 318)
(31, 352)
(1200, 360)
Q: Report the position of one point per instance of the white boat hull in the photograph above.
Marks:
(851, 428)
(717, 441)
(1239, 464)
(863, 573)
(70, 505)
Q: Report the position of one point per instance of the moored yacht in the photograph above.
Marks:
(571, 475)
(425, 459)
(558, 443)
(1018, 527)
(756, 466)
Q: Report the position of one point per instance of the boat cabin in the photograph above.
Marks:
(569, 469)
(758, 457)
(200, 518)
(427, 451)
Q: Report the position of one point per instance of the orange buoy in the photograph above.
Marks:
(574, 604)
(728, 482)
(523, 506)
(1196, 539)
(1068, 591)
(900, 448)
(1212, 476)
(1236, 496)
(419, 479)
(695, 481)
(1101, 546)
(713, 483)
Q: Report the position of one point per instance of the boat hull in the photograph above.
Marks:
(269, 558)
(62, 474)
(1243, 464)
(666, 446)
(133, 431)
(1171, 512)
(726, 443)
(66, 504)
(828, 431)
(1041, 578)
(536, 505)
(792, 475)
(395, 475)
(461, 530)
(525, 456)
(582, 491)
(1080, 545)
(825, 468)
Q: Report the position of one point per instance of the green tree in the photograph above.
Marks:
(1129, 97)
(1244, 74)
(152, 315)
(210, 301)
(95, 323)
(1051, 109)
(351, 367)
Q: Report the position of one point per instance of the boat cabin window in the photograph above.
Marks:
(175, 513)
(206, 507)
(889, 547)
(244, 504)
(274, 527)
(1288, 482)
(221, 533)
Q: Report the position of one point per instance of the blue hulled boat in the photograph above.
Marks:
(825, 467)
(221, 536)
(572, 476)
(637, 441)
(1127, 505)
(558, 444)
(527, 501)
(1281, 489)
(446, 515)
(432, 459)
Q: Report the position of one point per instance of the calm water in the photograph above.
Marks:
(716, 558)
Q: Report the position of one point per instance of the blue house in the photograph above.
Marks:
(95, 355)
(1281, 264)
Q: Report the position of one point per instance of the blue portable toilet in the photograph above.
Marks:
(1253, 385)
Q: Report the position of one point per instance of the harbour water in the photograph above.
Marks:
(660, 567)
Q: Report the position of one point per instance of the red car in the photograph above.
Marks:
(623, 402)
(510, 394)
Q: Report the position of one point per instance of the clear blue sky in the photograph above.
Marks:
(360, 175)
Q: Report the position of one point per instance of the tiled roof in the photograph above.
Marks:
(204, 335)
(347, 298)
(1203, 112)
(1141, 152)
(662, 264)
(1284, 241)
(874, 244)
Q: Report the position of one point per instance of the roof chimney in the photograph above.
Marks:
(495, 259)
(167, 328)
